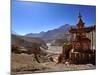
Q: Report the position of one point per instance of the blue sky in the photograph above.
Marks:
(34, 17)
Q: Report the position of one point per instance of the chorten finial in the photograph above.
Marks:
(79, 15)
(80, 23)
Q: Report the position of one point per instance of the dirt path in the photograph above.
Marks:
(62, 67)
(54, 49)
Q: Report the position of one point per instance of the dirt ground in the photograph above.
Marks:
(26, 64)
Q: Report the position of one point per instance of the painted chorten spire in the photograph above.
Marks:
(81, 27)
(80, 23)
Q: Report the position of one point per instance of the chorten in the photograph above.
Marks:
(80, 42)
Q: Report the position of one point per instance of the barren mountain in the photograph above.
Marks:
(50, 35)
(27, 42)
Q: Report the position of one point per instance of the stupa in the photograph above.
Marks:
(80, 50)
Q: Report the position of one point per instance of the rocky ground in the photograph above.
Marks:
(24, 63)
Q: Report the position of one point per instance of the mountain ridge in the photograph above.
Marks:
(56, 33)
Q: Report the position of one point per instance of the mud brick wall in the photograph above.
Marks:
(82, 58)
